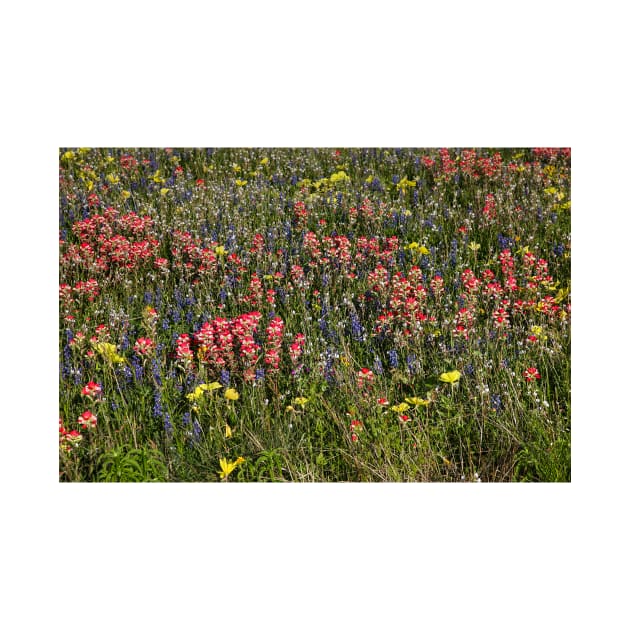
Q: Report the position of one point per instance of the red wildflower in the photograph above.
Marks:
(531, 373)
(365, 376)
(144, 345)
(92, 390)
(87, 420)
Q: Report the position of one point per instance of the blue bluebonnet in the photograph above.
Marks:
(505, 242)
(356, 329)
(376, 184)
(378, 366)
(224, 378)
(190, 379)
(186, 418)
(127, 375)
(155, 371)
(157, 404)
(495, 402)
(469, 369)
(260, 374)
(558, 250)
(124, 343)
(452, 259)
(412, 364)
(286, 228)
(168, 427)
(66, 370)
(392, 357)
(138, 370)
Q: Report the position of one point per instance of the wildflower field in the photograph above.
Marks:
(314, 314)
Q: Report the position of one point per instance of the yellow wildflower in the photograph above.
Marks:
(204, 387)
(400, 408)
(108, 352)
(228, 467)
(300, 400)
(450, 377)
(339, 177)
(231, 394)
(414, 400)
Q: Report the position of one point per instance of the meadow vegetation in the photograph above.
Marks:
(314, 315)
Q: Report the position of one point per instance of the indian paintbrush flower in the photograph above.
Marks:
(87, 420)
(531, 373)
(92, 390)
